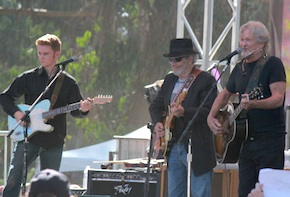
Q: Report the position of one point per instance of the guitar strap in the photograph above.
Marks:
(256, 73)
(56, 90)
(186, 85)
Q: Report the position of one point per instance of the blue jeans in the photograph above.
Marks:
(49, 158)
(200, 186)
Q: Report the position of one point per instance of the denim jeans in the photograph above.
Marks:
(200, 186)
(49, 158)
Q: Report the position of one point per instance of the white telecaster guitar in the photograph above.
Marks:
(40, 114)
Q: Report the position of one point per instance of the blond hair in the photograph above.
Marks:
(49, 40)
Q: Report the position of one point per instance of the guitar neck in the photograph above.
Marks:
(96, 100)
(61, 110)
(237, 111)
(178, 101)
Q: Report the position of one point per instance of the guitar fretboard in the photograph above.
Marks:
(234, 116)
(61, 110)
(256, 93)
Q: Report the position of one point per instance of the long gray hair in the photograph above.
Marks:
(259, 31)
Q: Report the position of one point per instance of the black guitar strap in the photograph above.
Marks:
(56, 90)
(256, 73)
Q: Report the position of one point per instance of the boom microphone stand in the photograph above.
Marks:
(25, 118)
(188, 132)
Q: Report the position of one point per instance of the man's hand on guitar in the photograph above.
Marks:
(246, 102)
(18, 116)
(159, 129)
(177, 110)
(159, 132)
(86, 105)
(215, 126)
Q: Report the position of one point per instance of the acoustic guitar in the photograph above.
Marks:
(229, 144)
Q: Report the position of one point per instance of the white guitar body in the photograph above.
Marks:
(36, 121)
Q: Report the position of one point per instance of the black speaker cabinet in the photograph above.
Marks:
(129, 183)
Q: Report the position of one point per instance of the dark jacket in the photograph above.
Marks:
(203, 154)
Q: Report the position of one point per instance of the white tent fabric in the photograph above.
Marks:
(78, 159)
(141, 133)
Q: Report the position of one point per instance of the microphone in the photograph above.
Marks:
(72, 59)
(252, 53)
(213, 66)
(235, 52)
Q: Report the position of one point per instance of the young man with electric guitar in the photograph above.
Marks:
(176, 103)
(47, 145)
(263, 117)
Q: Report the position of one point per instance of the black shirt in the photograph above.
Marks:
(261, 120)
(31, 84)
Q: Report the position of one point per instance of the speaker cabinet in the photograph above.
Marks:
(129, 183)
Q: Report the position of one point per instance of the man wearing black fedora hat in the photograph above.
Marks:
(175, 105)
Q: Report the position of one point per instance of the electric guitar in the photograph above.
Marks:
(168, 124)
(229, 144)
(40, 114)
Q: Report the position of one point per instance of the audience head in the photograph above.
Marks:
(49, 183)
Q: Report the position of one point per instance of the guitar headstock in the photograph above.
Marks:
(256, 93)
(102, 99)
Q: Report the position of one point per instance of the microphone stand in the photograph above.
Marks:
(146, 186)
(188, 132)
(24, 174)
(25, 118)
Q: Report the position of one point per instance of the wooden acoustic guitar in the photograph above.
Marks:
(229, 144)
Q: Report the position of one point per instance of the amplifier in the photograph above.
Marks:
(129, 183)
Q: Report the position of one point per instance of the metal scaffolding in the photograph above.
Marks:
(207, 50)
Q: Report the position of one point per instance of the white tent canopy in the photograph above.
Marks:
(78, 159)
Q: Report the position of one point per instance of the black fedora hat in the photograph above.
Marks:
(180, 47)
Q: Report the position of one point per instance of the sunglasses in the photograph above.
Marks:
(176, 59)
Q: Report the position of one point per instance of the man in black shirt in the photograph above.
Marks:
(30, 84)
(264, 147)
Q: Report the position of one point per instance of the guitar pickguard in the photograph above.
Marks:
(36, 121)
